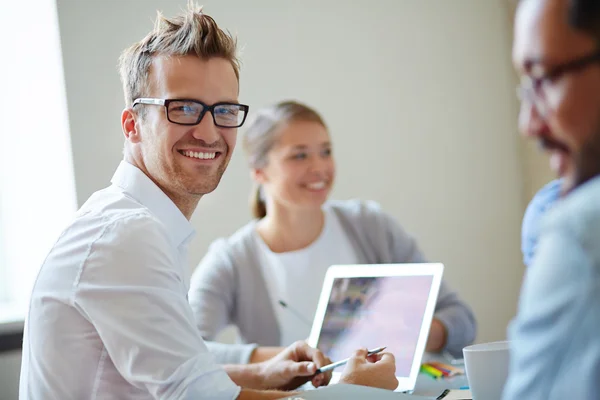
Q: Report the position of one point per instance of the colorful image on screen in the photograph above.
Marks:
(373, 312)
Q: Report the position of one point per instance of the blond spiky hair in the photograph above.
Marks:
(189, 33)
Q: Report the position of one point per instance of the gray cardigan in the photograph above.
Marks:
(228, 286)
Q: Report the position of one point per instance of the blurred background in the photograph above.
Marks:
(418, 95)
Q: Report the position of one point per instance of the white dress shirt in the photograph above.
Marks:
(109, 316)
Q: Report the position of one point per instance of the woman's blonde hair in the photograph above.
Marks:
(262, 134)
(190, 33)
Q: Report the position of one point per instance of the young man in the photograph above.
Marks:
(556, 347)
(109, 317)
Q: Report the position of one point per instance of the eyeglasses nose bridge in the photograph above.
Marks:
(531, 94)
(203, 114)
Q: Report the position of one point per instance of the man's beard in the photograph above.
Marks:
(587, 160)
(210, 181)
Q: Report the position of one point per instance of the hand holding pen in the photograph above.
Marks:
(343, 362)
(375, 370)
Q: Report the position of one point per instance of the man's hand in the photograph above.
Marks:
(293, 367)
(377, 370)
(261, 354)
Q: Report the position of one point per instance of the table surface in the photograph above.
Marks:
(428, 386)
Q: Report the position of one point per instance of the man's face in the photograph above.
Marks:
(185, 160)
(569, 126)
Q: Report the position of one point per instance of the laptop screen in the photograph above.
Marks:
(370, 312)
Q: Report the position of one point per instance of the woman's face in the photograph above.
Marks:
(300, 168)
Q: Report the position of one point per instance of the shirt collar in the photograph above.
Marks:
(138, 185)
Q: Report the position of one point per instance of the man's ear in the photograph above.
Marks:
(129, 126)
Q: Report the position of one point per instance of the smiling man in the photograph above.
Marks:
(556, 347)
(109, 316)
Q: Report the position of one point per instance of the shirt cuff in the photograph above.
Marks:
(213, 386)
(231, 353)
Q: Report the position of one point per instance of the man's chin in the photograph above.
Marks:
(203, 188)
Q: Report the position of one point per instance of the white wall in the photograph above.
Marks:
(419, 96)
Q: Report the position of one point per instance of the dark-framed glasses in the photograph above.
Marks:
(535, 87)
(191, 112)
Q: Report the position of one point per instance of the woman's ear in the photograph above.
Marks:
(258, 175)
(129, 126)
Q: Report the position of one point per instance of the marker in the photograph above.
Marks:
(342, 362)
(444, 372)
(434, 373)
(450, 369)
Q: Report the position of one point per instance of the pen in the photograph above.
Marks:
(342, 362)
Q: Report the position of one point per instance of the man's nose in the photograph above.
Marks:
(206, 130)
(531, 122)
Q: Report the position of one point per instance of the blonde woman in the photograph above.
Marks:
(266, 278)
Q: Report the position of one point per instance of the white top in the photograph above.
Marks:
(296, 277)
(109, 317)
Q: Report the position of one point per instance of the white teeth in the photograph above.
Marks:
(200, 155)
(316, 185)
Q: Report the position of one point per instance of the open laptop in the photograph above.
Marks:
(369, 306)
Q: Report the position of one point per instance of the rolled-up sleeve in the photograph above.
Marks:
(131, 290)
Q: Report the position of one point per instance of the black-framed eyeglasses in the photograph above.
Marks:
(191, 112)
(533, 87)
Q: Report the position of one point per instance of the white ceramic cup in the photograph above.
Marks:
(486, 365)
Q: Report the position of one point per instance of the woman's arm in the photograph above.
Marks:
(438, 336)
(212, 291)
(458, 319)
(212, 299)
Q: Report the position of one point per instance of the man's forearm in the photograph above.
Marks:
(245, 375)
(250, 375)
